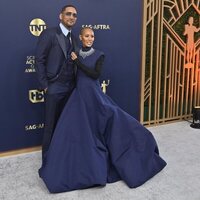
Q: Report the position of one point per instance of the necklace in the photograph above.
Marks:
(84, 54)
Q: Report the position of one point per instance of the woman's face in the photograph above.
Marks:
(87, 37)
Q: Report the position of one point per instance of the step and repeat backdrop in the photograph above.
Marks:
(118, 29)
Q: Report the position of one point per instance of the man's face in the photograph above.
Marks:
(68, 17)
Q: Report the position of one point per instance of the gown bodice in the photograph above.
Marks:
(90, 62)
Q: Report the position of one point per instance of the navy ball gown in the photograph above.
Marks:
(95, 142)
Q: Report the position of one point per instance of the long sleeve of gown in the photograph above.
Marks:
(93, 73)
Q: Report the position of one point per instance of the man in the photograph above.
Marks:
(55, 69)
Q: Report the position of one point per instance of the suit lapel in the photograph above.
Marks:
(75, 45)
(75, 49)
(61, 41)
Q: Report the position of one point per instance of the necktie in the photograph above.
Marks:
(69, 36)
(69, 42)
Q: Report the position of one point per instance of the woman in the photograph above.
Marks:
(95, 142)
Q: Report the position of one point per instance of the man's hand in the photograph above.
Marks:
(73, 56)
(45, 90)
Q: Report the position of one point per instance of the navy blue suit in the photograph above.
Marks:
(56, 71)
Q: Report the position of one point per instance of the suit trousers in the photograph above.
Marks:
(54, 104)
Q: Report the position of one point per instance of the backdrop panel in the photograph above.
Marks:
(117, 26)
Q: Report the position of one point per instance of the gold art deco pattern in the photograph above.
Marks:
(171, 60)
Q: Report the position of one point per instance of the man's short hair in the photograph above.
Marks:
(66, 6)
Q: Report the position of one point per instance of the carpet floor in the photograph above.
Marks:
(179, 145)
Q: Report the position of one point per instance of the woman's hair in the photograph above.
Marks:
(84, 28)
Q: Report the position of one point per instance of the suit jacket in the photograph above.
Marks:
(51, 55)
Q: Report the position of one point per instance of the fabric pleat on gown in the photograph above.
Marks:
(95, 142)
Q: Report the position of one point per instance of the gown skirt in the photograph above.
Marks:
(95, 142)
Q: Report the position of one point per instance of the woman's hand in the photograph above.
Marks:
(73, 56)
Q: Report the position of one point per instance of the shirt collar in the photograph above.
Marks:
(64, 30)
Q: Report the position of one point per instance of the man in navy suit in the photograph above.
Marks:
(55, 69)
